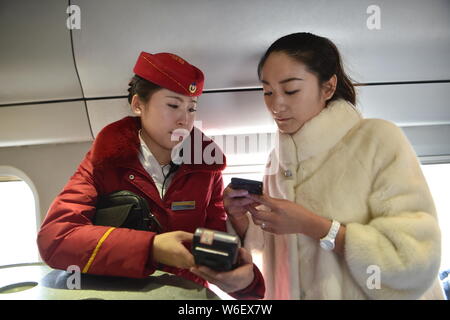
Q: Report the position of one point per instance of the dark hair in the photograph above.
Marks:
(321, 57)
(143, 88)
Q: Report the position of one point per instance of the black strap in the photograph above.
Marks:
(173, 167)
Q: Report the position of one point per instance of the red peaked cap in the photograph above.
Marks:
(171, 72)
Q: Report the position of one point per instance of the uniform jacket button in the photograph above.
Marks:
(131, 177)
(288, 173)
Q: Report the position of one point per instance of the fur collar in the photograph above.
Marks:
(319, 134)
(118, 144)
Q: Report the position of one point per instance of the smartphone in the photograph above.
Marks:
(215, 249)
(252, 186)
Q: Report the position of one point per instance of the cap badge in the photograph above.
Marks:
(192, 87)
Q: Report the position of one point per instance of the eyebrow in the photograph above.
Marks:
(181, 100)
(283, 81)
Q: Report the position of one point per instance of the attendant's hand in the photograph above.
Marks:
(168, 249)
(230, 281)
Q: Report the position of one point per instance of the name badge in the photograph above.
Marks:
(183, 205)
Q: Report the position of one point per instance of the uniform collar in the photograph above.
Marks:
(118, 144)
(319, 134)
(148, 159)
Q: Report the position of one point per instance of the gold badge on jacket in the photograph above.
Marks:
(183, 205)
(192, 87)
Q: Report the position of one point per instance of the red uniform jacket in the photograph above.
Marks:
(68, 237)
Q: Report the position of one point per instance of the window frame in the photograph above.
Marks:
(15, 174)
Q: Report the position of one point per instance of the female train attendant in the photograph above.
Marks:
(346, 212)
(134, 154)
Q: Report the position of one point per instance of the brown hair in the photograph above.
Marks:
(143, 88)
(321, 57)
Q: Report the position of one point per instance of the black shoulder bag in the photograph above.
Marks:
(125, 209)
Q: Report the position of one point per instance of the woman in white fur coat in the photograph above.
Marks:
(346, 212)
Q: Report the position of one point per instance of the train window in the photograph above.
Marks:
(246, 154)
(18, 222)
(438, 178)
(253, 172)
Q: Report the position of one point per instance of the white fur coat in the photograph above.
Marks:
(365, 174)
